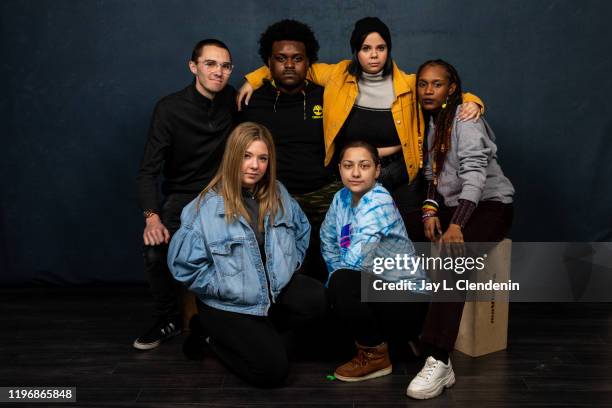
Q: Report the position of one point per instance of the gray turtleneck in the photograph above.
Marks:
(375, 91)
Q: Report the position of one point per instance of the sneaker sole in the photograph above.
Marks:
(375, 374)
(422, 395)
(145, 346)
(149, 346)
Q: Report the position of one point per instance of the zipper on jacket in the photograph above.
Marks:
(270, 296)
(269, 288)
(268, 284)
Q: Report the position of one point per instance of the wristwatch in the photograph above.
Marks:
(148, 213)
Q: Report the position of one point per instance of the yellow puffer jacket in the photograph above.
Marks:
(339, 97)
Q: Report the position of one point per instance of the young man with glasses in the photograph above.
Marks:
(185, 144)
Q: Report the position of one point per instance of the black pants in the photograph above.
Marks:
(372, 323)
(490, 222)
(252, 346)
(409, 198)
(393, 173)
(165, 290)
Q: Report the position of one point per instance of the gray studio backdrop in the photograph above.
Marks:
(79, 80)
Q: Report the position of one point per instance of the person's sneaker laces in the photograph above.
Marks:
(432, 379)
(161, 331)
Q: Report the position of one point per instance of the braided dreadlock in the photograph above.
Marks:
(443, 118)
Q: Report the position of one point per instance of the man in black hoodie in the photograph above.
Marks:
(292, 109)
(185, 145)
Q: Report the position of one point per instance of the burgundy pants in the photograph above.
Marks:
(490, 222)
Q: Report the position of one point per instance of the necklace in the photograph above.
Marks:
(248, 193)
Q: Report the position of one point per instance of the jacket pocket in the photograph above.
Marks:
(228, 256)
(449, 181)
(285, 232)
(286, 258)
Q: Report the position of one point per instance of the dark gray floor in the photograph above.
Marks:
(559, 355)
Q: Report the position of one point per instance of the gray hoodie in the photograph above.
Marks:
(471, 171)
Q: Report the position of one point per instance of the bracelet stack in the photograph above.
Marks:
(430, 209)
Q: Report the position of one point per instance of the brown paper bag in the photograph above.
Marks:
(484, 324)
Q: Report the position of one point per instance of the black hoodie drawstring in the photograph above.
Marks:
(279, 92)
(304, 94)
(276, 100)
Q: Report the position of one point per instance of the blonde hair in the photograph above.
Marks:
(227, 182)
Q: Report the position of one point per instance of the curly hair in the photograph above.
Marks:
(288, 30)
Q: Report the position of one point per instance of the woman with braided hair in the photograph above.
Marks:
(468, 200)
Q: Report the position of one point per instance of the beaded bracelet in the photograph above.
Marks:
(429, 208)
(428, 214)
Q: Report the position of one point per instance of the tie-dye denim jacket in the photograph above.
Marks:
(352, 237)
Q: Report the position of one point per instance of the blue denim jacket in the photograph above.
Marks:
(221, 262)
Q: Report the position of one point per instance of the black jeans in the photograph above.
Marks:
(409, 199)
(372, 323)
(252, 346)
(393, 173)
(165, 290)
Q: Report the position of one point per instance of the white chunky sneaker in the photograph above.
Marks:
(431, 380)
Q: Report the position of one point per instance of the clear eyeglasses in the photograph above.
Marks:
(212, 65)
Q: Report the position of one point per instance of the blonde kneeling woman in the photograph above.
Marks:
(240, 242)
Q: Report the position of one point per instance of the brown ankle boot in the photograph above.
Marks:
(370, 362)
